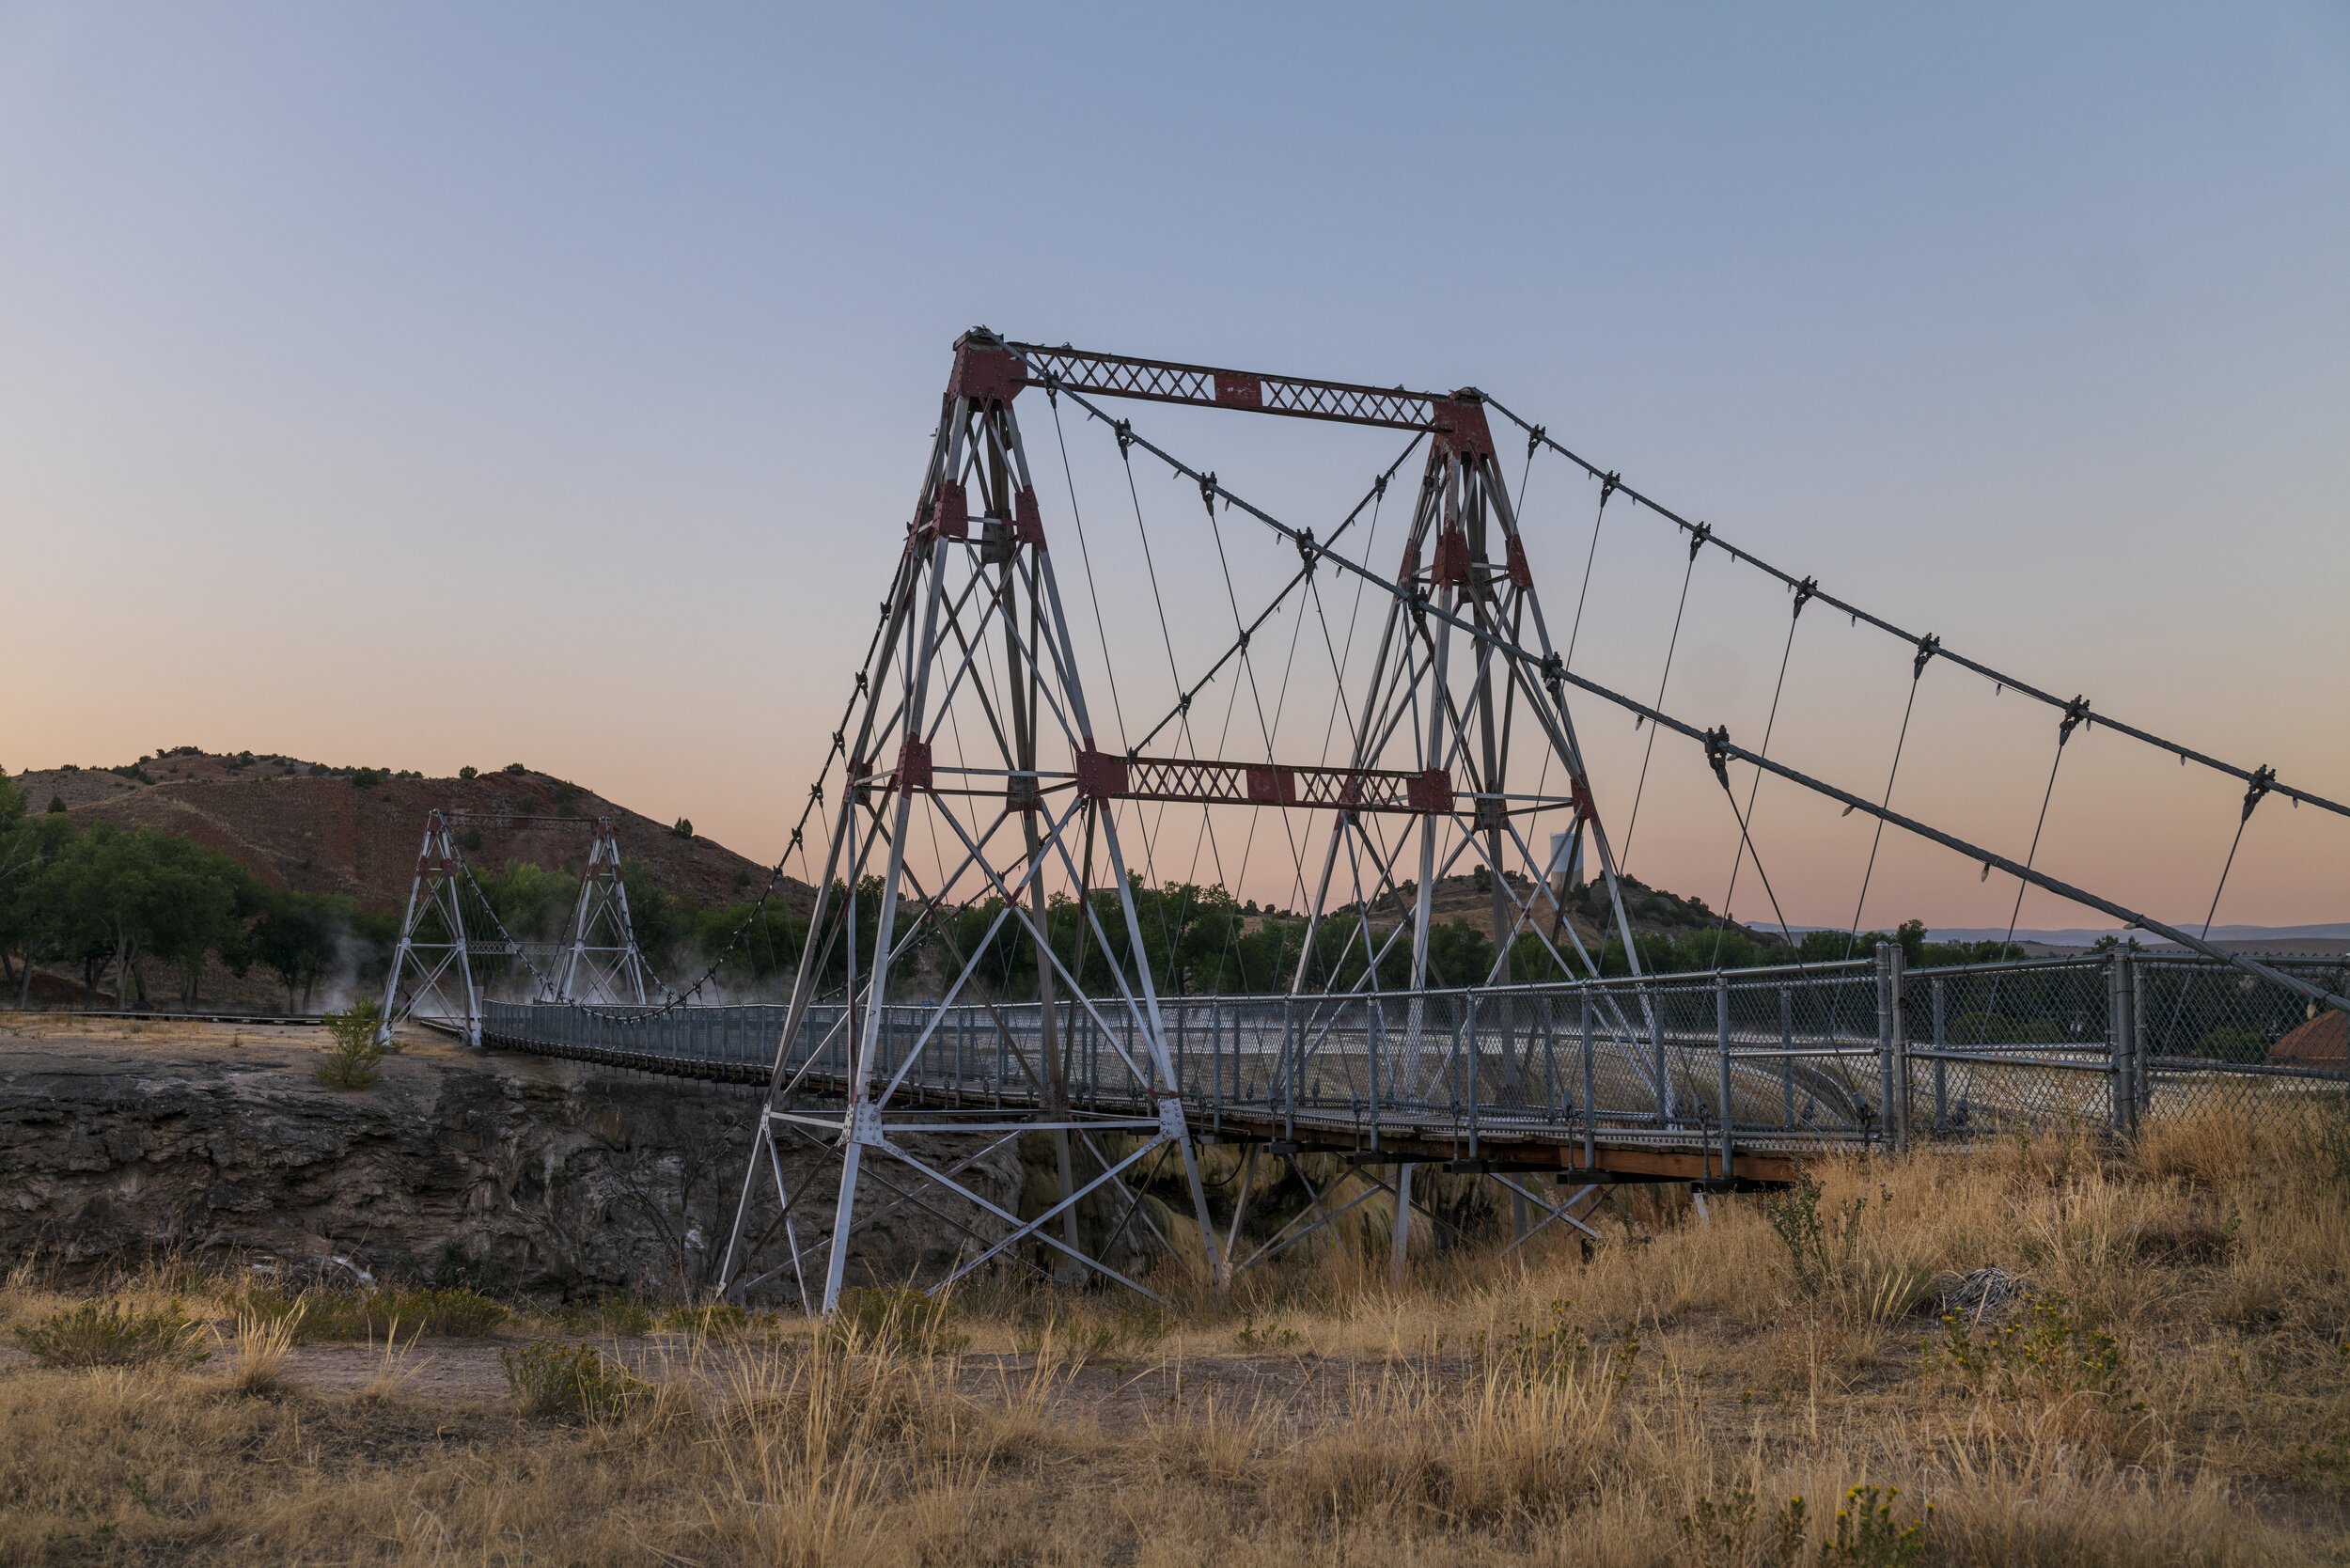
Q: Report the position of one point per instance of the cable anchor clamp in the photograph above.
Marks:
(2076, 715)
(1697, 536)
(1803, 592)
(1535, 437)
(2263, 780)
(1718, 753)
(1607, 485)
(1928, 646)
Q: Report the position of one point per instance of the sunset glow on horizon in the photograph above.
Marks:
(440, 387)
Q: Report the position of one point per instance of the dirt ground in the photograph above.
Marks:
(2058, 1352)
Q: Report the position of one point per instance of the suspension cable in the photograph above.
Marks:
(1737, 858)
(796, 843)
(1085, 554)
(1927, 647)
(2074, 716)
(1307, 547)
(1717, 757)
(2004, 682)
(1607, 488)
(1623, 861)
(1256, 693)
(2264, 779)
(1551, 671)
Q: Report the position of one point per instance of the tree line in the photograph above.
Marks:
(114, 904)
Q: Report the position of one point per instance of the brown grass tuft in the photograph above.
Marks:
(2163, 1375)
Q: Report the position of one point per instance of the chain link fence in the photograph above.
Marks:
(1858, 1054)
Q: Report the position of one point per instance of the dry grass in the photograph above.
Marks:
(259, 1348)
(2174, 1388)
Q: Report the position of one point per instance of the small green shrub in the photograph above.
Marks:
(353, 1059)
(109, 1334)
(570, 1382)
(1866, 1534)
(484, 1276)
(1823, 1249)
(2233, 1042)
(454, 1312)
(1273, 1335)
(1555, 1350)
(720, 1320)
(890, 1319)
(613, 1316)
(2047, 1348)
(2333, 1137)
(1730, 1532)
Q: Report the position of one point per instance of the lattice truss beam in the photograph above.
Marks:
(960, 800)
(433, 973)
(980, 815)
(979, 819)
(598, 960)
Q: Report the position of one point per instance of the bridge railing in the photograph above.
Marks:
(1859, 1053)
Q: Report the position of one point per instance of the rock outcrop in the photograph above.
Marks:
(523, 1173)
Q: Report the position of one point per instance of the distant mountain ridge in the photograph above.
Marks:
(2325, 937)
(355, 830)
(2083, 936)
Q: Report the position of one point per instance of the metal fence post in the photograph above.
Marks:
(1288, 1057)
(2141, 1037)
(2118, 1029)
(1787, 1054)
(1721, 1039)
(1888, 957)
(1469, 1042)
(1941, 1068)
(1590, 1107)
(1900, 1055)
(1664, 1106)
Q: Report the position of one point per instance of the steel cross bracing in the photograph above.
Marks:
(975, 655)
(600, 960)
(975, 660)
(1163, 381)
(2261, 780)
(1541, 665)
(1027, 801)
(432, 976)
(431, 973)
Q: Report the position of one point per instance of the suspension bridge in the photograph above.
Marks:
(1002, 945)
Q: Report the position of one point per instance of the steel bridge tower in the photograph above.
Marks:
(973, 645)
(598, 960)
(432, 953)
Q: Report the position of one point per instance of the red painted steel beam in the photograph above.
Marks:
(1105, 776)
(1458, 417)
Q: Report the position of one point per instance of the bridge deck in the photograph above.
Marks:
(1713, 1078)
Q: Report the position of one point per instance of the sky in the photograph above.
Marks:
(436, 384)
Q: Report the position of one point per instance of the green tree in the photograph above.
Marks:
(297, 936)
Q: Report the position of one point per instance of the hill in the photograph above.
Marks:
(354, 831)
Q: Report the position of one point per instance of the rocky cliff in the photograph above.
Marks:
(525, 1174)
